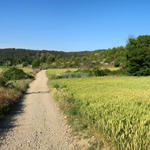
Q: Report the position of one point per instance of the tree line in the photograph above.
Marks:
(134, 58)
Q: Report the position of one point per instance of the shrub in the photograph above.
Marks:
(117, 63)
(2, 82)
(98, 72)
(24, 64)
(15, 74)
(35, 63)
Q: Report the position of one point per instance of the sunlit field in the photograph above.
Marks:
(52, 72)
(27, 69)
(117, 107)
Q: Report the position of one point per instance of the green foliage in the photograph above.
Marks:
(138, 56)
(15, 74)
(43, 58)
(59, 59)
(25, 63)
(35, 63)
(99, 72)
(117, 63)
(2, 81)
(69, 74)
(50, 59)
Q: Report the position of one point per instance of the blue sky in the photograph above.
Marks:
(72, 25)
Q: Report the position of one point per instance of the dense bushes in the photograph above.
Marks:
(13, 83)
(2, 82)
(99, 72)
(88, 72)
(36, 63)
(15, 74)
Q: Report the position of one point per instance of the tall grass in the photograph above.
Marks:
(9, 96)
(13, 83)
(118, 108)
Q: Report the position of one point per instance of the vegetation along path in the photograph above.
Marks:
(36, 122)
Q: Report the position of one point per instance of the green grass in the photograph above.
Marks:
(118, 108)
(111, 68)
(53, 72)
(27, 69)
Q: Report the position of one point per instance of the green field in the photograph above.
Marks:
(117, 107)
(27, 69)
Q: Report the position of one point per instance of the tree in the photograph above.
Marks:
(25, 63)
(35, 63)
(50, 59)
(43, 58)
(138, 56)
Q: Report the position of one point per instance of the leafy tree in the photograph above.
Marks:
(50, 59)
(43, 58)
(138, 56)
(25, 63)
(35, 63)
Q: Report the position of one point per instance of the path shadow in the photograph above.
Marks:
(8, 121)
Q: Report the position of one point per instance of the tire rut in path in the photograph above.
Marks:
(36, 123)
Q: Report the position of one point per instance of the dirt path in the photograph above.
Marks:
(36, 123)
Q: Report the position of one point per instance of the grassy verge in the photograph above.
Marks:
(9, 96)
(114, 109)
(11, 90)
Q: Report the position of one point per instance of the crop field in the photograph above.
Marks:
(117, 107)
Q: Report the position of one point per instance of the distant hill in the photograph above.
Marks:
(12, 56)
(10, 52)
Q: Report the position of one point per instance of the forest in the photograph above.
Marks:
(134, 58)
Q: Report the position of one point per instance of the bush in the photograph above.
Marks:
(35, 63)
(15, 74)
(2, 82)
(116, 63)
(24, 64)
(99, 72)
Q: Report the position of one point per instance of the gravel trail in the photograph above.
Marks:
(36, 122)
